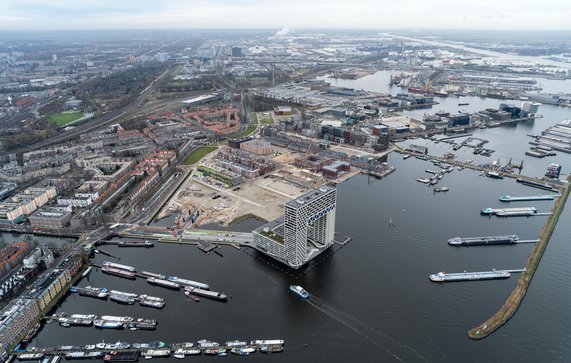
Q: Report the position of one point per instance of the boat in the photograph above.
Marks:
(117, 346)
(271, 348)
(152, 274)
(31, 356)
(268, 342)
(119, 272)
(214, 351)
(104, 324)
(146, 244)
(206, 293)
(469, 276)
(155, 302)
(143, 324)
(235, 343)
(536, 185)
(406, 156)
(203, 343)
(186, 282)
(82, 291)
(121, 357)
(486, 240)
(83, 316)
(119, 266)
(152, 345)
(463, 104)
(122, 299)
(243, 350)
(190, 296)
(507, 198)
(163, 283)
(95, 355)
(509, 212)
(156, 353)
(122, 319)
(99, 289)
(75, 355)
(87, 271)
(442, 189)
(67, 322)
(423, 180)
(181, 353)
(494, 175)
(300, 291)
(31, 333)
(129, 294)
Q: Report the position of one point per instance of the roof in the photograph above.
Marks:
(309, 197)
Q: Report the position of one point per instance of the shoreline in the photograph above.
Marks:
(514, 300)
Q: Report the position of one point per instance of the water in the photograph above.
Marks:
(372, 301)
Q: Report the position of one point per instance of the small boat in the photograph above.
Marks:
(151, 345)
(181, 353)
(83, 316)
(406, 156)
(122, 299)
(203, 343)
(104, 324)
(163, 283)
(186, 282)
(235, 343)
(31, 333)
(87, 271)
(206, 293)
(122, 319)
(151, 353)
(190, 296)
(442, 189)
(271, 348)
(31, 356)
(300, 291)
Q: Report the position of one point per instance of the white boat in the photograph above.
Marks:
(129, 294)
(83, 316)
(235, 343)
(156, 353)
(119, 266)
(206, 293)
(104, 324)
(87, 271)
(122, 319)
(163, 283)
(186, 282)
(268, 342)
(184, 352)
(300, 291)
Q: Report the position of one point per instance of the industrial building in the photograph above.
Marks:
(306, 230)
(51, 217)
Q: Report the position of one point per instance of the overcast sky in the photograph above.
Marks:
(275, 14)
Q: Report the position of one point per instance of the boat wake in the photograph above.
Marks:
(361, 328)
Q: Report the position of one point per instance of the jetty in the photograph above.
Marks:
(508, 309)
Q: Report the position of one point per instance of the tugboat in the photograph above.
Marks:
(296, 289)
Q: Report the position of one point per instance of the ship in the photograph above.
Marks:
(155, 302)
(151, 345)
(509, 212)
(104, 324)
(236, 343)
(89, 292)
(268, 342)
(83, 316)
(31, 333)
(121, 319)
(494, 175)
(146, 244)
(121, 357)
(181, 353)
(507, 198)
(87, 271)
(206, 293)
(271, 349)
(469, 276)
(163, 283)
(180, 281)
(67, 322)
(300, 291)
(119, 272)
(442, 189)
(152, 274)
(243, 350)
(31, 356)
(536, 185)
(191, 297)
(129, 294)
(119, 266)
(156, 353)
(122, 299)
(487, 240)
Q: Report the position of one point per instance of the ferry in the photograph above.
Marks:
(104, 324)
(119, 266)
(180, 281)
(87, 271)
(206, 293)
(300, 291)
(163, 283)
(469, 276)
(121, 319)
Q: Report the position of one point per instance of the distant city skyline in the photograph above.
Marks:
(276, 14)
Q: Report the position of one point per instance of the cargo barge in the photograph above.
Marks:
(119, 272)
(469, 276)
(186, 282)
(163, 283)
(206, 293)
(486, 240)
(508, 198)
(119, 266)
(509, 212)
(537, 185)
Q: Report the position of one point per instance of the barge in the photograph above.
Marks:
(508, 198)
(486, 240)
(509, 212)
(469, 276)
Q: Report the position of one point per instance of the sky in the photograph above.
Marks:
(276, 14)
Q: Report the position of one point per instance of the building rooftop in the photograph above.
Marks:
(309, 197)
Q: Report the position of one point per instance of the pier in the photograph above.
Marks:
(508, 309)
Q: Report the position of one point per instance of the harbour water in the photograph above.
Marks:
(372, 300)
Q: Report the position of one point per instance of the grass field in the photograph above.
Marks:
(250, 130)
(198, 154)
(64, 118)
(264, 118)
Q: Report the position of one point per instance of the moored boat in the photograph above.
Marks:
(163, 283)
(31, 333)
(122, 319)
(206, 293)
(119, 272)
(119, 266)
(186, 282)
(104, 324)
